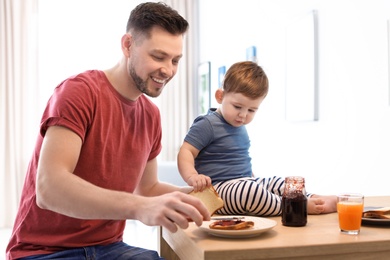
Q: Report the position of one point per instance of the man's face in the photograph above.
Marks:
(154, 61)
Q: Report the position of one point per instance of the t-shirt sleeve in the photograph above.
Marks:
(70, 107)
(200, 134)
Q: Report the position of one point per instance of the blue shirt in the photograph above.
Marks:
(224, 149)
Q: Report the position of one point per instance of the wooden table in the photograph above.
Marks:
(320, 238)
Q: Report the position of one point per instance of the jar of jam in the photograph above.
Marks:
(294, 202)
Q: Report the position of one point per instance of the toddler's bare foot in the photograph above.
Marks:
(318, 204)
(315, 206)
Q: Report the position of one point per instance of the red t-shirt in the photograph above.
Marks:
(119, 137)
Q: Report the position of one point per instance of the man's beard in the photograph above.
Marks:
(140, 84)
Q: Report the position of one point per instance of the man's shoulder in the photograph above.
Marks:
(91, 77)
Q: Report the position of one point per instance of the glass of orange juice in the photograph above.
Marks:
(350, 210)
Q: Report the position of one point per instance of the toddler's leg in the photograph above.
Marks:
(251, 196)
(273, 184)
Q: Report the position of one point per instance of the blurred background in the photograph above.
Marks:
(326, 117)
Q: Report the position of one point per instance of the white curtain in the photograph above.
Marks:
(177, 104)
(18, 83)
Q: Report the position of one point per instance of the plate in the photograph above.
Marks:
(261, 225)
(375, 221)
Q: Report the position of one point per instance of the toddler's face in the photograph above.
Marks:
(238, 109)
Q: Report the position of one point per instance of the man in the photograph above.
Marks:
(94, 164)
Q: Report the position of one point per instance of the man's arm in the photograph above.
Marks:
(59, 190)
(150, 185)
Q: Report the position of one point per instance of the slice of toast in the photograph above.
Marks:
(381, 213)
(233, 224)
(210, 199)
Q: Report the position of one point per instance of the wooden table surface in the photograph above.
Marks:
(321, 237)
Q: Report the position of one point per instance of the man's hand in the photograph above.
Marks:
(171, 211)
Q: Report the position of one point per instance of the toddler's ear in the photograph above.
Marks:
(219, 95)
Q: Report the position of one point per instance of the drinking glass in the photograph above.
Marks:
(350, 210)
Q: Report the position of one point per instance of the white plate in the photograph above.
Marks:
(261, 225)
(376, 221)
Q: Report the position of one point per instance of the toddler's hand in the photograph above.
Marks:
(199, 182)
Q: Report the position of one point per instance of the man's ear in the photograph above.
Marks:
(219, 95)
(126, 44)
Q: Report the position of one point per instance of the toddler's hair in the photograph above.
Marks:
(247, 78)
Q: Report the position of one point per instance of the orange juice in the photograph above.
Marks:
(350, 215)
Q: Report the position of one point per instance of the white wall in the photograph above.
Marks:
(348, 149)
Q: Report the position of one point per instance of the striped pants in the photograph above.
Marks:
(251, 196)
